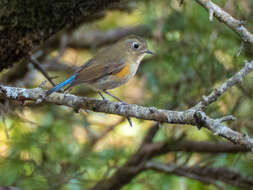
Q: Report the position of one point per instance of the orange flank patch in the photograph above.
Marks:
(123, 72)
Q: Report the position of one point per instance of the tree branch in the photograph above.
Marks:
(232, 81)
(159, 148)
(38, 66)
(177, 170)
(137, 162)
(236, 25)
(204, 174)
(192, 116)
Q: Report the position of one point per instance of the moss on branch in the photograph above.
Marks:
(26, 24)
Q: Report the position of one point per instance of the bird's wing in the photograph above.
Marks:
(98, 67)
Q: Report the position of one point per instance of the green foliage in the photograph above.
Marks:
(193, 56)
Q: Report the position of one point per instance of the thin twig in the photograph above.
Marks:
(37, 65)
(232, 81)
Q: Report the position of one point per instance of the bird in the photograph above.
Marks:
(110, 67)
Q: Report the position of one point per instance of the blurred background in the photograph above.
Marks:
(52, 147)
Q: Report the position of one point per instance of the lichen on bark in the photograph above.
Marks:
(24, 25)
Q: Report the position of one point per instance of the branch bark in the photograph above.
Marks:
(232, 81)
(192, 116)
(236, 25)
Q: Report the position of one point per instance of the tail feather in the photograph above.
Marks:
(62, 84)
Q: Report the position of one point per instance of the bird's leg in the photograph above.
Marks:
(68, 89)
(115, 97)
(101, 95)
(129, 121)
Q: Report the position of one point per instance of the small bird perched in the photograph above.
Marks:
(110, 67)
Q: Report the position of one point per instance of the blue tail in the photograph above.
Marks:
(62, 84)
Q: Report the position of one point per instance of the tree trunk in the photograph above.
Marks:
(25, 24)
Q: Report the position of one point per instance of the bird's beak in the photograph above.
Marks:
(148, 52)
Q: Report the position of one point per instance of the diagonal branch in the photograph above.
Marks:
(232, 81)
(137, 162)
(177, 170)
(204, 174)
(38, 66)
(236, 25)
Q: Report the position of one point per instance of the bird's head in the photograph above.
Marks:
(134, 47)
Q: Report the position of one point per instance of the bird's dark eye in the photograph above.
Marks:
(135, 45)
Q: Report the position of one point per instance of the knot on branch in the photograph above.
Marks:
(242, 22)
(199, 119)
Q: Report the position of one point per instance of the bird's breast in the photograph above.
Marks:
(116, 79)
(127, 72)
(123, 72)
